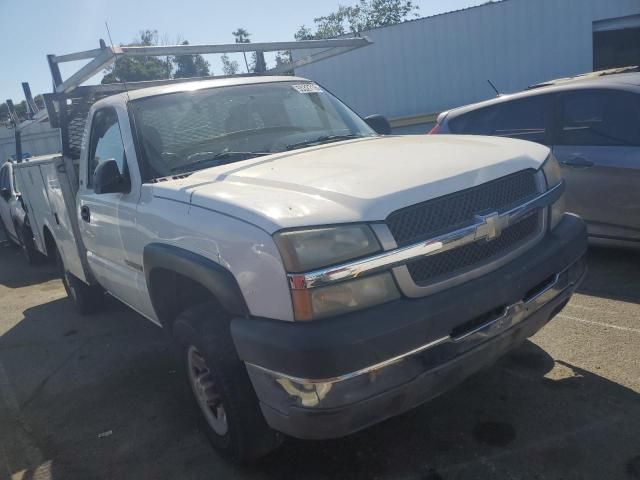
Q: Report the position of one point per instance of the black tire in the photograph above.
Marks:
(206, 328)
(28, 246)
(86, 299)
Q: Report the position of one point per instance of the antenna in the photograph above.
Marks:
(124, 82)
(494, 88)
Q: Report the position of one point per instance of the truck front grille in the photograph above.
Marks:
(448, 213)
(461, 259)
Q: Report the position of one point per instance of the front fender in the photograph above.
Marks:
(211, 275)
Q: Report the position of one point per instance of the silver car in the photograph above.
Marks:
(9, 199)
(13, 215)
(592, 124)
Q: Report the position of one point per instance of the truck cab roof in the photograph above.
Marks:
(194, 86)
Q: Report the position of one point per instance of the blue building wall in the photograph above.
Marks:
(435, 63)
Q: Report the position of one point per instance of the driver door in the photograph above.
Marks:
(107, 221)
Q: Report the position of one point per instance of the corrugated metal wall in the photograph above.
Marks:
(37, 139)
(436, 63)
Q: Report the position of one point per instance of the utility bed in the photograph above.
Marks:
(48, 190)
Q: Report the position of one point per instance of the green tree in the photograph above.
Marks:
(283, 58)
(188, 66)
(304, 33)
(21, 109)
(137, 69)
(229, 67)
(242, 36)
(364, 15)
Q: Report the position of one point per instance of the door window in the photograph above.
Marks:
(106, 142)
(524, 119)
(600, 118)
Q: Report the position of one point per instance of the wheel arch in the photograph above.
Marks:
(168, 267)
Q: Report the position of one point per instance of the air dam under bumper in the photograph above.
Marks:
(332, 377)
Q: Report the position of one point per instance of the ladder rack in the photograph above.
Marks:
(104, 56)
(67, 107)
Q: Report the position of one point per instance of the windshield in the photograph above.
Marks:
(188, 131)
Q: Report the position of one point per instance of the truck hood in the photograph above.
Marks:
(353, 181)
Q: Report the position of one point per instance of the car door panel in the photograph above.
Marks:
(108, 221)
(605, 194)
(598, 147)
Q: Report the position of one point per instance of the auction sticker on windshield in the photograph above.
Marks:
(307, 88)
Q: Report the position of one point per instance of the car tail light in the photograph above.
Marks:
(434, 130)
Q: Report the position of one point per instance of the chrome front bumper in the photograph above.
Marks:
(333, 407)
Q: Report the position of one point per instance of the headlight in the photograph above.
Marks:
(553, 175)
(312, 249)
(344, 297)
(306, 250)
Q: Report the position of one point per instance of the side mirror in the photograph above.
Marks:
(379, 123)
(5, 193)
(108, 179)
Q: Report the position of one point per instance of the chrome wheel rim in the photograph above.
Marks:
(205, 391)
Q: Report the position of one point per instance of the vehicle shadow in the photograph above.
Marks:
(613, 274)
(16, 273)
(509, 421)
(101, 397)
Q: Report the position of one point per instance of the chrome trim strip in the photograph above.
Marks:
(560, 284)
(411, 289)
(357, 373)
(486, 227)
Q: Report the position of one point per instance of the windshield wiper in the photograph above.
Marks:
(321, 140)
(216, 159)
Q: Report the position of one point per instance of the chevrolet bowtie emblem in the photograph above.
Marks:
(489, 227)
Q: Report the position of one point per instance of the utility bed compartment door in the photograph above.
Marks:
(61, 221)
(35, 196)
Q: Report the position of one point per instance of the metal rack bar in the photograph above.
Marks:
(105, 55)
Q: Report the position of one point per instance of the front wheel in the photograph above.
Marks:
(86, 298)
(221, 386)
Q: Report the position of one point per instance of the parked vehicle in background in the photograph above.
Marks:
(592, 124)
(8, 201)
(309, 270)
(12, 212)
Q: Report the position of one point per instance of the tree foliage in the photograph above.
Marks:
(188, 66)
(242, 36)
(137, 69)
(283, 57)
(364, 15)
(257, 62)
(21, 109)
(229, 67)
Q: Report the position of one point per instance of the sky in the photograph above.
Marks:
(33, 28)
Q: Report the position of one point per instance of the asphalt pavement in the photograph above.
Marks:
(99, 397)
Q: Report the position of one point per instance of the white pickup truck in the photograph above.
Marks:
(317, 276)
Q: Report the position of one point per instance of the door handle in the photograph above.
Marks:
(577, 162)
(85, 213)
